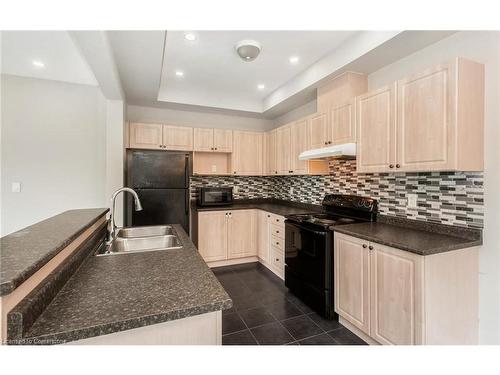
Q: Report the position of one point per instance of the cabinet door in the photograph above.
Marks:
(242, 233)
(271, 153)
(396, 295)
(178, 138)
(342, 128)
(247, 153)
(376, 131)
(223, 140)
(352, 281)
(203, 139)
(283, 148)
(318, 131)
(263, 236)
(300, 143)
(146, 136)
(212, 235)
(425, 120)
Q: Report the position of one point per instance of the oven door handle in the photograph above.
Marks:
(299, 227)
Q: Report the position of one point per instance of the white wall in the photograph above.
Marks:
(195, 119)
(295, 114)
(53, 142)
(483, 47)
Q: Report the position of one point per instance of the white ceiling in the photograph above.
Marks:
(215, 76)
(55, 49)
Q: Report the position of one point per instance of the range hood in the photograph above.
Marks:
(343, 151)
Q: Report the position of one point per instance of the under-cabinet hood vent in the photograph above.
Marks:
(343, 151)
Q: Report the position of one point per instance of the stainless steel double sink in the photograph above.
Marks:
(142, 239)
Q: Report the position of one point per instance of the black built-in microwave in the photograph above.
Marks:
(215, 196)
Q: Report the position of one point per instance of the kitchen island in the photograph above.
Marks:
(151, 297)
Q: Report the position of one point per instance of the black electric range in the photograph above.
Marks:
(309, 248)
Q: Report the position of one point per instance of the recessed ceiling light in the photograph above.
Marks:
(38, 64)
(179, 73)
(261, 86)
(190, 36)
(294, 59)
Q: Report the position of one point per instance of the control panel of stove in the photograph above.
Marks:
(350, 201)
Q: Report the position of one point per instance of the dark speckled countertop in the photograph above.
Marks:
(275, 206)
(114, 293)
(413, 236)
(24, 252)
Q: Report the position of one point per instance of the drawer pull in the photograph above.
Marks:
(370, 247)
(278, 220)
(277, 260)
(277, 231)
(277, 243)
(364, 246)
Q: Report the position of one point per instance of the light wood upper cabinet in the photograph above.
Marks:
(212, 235)
(318, 131)
(352, 281)
(271, 167)
(146, 136)
(247, 153)
(396, 296)
(439, 124)
(283, 144)
(203, 139)
(223, 140)
(376, 122)
(342, 127)
(299, 144)
(213, 140)
(242, 233)
(178, 138)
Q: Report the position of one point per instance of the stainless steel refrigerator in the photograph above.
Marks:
(161, 179)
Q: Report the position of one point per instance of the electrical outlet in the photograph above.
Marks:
(236, 189)
(16, 187)
(411, 200)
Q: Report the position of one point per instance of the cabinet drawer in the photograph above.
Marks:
(277, 230)
(277, 220)
(277, 242)
(277, 259)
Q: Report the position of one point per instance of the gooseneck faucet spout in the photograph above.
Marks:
(112, 225)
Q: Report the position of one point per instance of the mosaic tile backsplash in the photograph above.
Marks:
(454, 198)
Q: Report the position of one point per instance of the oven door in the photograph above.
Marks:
(308, 255)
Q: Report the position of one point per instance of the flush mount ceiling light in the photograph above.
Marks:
(38, 64)
(190, 36)
(179, 73)
(248, 50)
(294, 59)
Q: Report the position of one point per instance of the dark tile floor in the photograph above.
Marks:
(265, 313)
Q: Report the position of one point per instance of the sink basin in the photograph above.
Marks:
(138, 244)
(133, 232)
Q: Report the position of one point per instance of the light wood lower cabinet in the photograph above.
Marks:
(400, 298)
(263, 236)
(242, 233)
(212, 235)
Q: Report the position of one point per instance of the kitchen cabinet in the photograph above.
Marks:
(271, 167)
(439, 124)
(263, 236)
(248, 153)
(177, 138)
(213, 140)
(212, 235)
(400, 298)
(225, 235)
(352, 282)
(376, 122)
(283, 143)
(299, 144)
(148, 136)
(342, 128)
(318, 131)
(242, 233)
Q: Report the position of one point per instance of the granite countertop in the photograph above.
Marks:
(24, 252)
(118, 292)
(275, 206)
(415, 237)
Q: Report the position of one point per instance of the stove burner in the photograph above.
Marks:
(321, 219)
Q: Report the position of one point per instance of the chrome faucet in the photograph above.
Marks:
(112, 225)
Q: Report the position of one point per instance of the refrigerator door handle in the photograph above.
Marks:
(186, 170)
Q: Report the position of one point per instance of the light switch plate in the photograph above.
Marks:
(411, 200)
(16, 187)
(235, 189)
